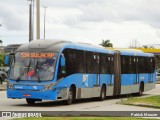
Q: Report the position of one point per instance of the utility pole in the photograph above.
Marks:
(38, 19)
(31, 21)
(44, 21)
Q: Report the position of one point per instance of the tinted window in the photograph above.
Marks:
(127, 64)
(89, 62)
(80, 61)
(74, 61)
(105, 64)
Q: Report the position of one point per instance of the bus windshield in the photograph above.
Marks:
(33, 66)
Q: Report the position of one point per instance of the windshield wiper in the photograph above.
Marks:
(29, 66)
(37, 71)
(19, 78)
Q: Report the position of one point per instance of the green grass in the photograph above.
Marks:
(84, 118)
(152, 101)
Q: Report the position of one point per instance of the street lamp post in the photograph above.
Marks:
(44, 21)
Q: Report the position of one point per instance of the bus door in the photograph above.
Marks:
(96, 65)
(136, 70)
(111, 70)
(96, 78)
(150, 75)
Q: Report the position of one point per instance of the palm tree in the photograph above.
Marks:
(106, 43)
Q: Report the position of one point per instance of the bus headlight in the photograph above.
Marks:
(9, 85)
(48, 87)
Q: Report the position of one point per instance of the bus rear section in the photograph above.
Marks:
(137, 72)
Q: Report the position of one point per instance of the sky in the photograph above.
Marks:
(123, 22)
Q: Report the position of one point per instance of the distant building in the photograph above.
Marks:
(12, 47)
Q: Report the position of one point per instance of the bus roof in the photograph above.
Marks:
(59, 45)
(134, 52)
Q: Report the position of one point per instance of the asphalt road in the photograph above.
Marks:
(110, 104)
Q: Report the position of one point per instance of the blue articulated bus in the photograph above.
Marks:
(62, 70)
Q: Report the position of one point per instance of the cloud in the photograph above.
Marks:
(67, 16)
(68, 3)
(123, 10)
(106, 10)
(73, 12)
(12, 16)
(90, 20)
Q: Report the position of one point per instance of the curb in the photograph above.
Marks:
(2, 87)
(157, 82)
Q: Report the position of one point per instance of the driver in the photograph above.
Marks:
(48, 67)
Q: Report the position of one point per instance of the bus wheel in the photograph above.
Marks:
(103, 93)
(70, 97)
(140, 90)
(30, 101)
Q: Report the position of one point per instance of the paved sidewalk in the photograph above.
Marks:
(3, 86)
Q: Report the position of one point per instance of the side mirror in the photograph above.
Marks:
(8, 58)
(63, 64)
(6, 61)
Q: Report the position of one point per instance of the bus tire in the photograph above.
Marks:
(70, 96)
(141, 89)
(103, 93)
(1, 80)
(30, 101)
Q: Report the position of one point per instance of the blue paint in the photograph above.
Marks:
(37, 90)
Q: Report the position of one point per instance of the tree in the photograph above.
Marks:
(106, 43)
(145, 46)
(1, 41)
(2, 57)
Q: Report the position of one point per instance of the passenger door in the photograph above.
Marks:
(96, 76)
(136, 70)
(96, 70)
(150, 75)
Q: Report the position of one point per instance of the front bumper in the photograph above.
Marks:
(43, 95)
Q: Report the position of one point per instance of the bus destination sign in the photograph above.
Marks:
(36, 55)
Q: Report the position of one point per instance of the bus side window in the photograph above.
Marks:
(79, 61)
(104, 68)
(112, 64)
(70, 63)
(62, 67)
(89, 62)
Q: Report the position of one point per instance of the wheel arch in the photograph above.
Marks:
(73, 86)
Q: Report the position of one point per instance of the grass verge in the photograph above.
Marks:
(152, 101)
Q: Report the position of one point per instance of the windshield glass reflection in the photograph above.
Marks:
(27, 68)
